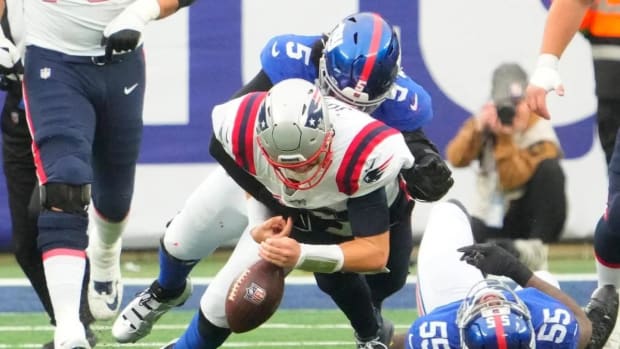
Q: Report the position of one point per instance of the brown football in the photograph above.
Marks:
(254, 296)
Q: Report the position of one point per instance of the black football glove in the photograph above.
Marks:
(123, 33)
(430, 178)
(492, 259)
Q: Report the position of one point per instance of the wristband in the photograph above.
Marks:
(146, 10)
(548, 60)
(520, 273)
(320, 258)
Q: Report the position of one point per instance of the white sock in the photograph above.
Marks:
(106, 234)
(64, 272)
(607, 275)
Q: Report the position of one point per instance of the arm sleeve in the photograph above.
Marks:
(260, 82)
(369, 214)
(466, 145)
(418, 144)
(244, 179)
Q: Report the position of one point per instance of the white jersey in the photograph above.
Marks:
(74, 27)
(367, 154)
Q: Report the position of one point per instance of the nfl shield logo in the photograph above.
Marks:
(45, 73)
(255, 294)
(15, 117)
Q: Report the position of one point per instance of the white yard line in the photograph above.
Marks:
(293, 280)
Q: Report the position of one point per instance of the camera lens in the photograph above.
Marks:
(506, 114)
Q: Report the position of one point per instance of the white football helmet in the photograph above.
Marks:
(295, 133)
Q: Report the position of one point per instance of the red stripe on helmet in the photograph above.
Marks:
(499, 332)
(377, 32)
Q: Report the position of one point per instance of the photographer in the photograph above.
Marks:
(521, 200)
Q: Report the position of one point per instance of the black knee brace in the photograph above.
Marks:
(65, 197)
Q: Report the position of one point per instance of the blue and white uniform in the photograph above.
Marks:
(407, 107)
(554, 323)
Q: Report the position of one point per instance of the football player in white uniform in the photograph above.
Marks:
(338, 169)
(363, 46)
(84, 81)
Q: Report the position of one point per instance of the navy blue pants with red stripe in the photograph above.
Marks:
(85, 118)
(607, 233)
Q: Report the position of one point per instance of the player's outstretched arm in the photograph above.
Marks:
(562, 23)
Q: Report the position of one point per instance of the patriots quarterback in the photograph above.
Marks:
(311, 152)
(360, 66)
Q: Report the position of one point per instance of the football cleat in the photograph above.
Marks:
(90, 337)
(383, 340)
(105, 288)
(602, 310)
(74, 338)
(137, 319)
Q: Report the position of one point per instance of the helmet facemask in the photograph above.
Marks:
(295, 133)
(297, 172)
(492, 313)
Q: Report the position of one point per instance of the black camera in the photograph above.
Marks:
(506, 113)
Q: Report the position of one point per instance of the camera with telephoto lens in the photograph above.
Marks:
(506, 112)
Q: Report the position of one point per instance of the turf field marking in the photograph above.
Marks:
(231, 344)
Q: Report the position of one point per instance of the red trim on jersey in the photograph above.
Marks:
(357, 153)
(499, 332)
(372, 50)
(63, 252)
(243, 130)
(35, 150)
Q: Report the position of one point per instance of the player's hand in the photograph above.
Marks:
(545, 78)
(9, 59)
(280, 250)
(123, 33)
(272, 228)
(492, 259)
(430, 178)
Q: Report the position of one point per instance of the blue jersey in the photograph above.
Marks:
(407, 108)
(554, 323)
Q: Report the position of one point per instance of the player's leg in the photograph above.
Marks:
(442, 276)
(115, 153)
(213, 215)
(608, 122)
(209, 328)
(62, 123)
(21, 180)
(383, 285)
(607, 236)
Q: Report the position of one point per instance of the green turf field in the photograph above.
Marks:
(287, 329)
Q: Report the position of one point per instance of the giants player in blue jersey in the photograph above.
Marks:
(340, 170)
(460, 308)
(358, 63)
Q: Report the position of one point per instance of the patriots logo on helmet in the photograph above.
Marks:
(374, 174)
(315, 111)
(255, 293)
(261, 123)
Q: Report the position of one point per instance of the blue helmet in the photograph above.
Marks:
(360, 61)
(493, 316)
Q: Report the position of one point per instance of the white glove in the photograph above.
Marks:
(546, 74)
(123, 33)
(9, 57)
